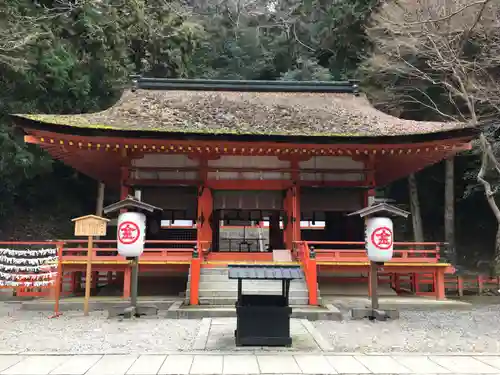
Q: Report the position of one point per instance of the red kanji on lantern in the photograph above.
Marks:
(128, 232)
(382, 238)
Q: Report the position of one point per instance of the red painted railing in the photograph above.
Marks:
(303, 254)
(350, 251)
(106, 250)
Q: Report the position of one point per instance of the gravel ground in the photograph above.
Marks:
(472, 330)
(72, 332)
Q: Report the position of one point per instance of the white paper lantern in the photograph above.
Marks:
(379, 239)
(131, 233)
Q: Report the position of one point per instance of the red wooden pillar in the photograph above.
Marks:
(288, 222)
(194, 282)
(296, 213)
(204, 239)
(312, 279)
(439, 283)
(126, 282)
(205, 208)
(460, 286)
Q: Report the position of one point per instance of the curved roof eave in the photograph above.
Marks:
(29, 124)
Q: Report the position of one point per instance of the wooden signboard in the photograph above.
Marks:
(89, 226)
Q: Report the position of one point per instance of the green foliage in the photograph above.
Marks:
(64, 56)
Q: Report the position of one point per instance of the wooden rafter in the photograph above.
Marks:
(102, 157)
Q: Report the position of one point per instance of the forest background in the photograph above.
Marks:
(418, 59)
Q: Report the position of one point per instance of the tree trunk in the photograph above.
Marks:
(416, 217)
(488, 157)
(449, 210)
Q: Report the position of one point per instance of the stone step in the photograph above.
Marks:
(217, 289)
(256, 283)
(222, 286)
(221, 301)
(218, 279)
(301, 293)
(247, 290)
(217, 276)
(234, 294)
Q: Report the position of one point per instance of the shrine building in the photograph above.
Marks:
(248, 171)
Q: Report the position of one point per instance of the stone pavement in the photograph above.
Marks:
(252, 363)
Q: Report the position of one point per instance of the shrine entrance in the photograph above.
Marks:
(248, 230)
(239, 220)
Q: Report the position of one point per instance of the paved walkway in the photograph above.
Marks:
(248, 363)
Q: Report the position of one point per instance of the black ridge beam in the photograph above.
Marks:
(212, 82)
(244, 85)
(245, 88)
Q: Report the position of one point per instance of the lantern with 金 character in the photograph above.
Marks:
(130, 238)
(379, 235)
(379, 243)
(131, 233)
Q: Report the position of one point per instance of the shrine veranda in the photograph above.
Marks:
(244, 168)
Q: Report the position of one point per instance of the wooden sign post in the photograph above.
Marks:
(89, 226)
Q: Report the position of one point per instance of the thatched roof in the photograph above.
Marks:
(247, 113)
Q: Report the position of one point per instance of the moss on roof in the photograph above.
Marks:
(247, 113)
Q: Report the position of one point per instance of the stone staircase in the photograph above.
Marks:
(217, 289)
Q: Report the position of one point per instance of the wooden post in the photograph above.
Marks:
(59, 277)
(89, 226)
(205, 208)
(194, 282)
(88, 276)
(440, 287)
(100, 199)
(460, 286)
(126, 282)
(374, 285)
(134, 281)
(312, 277)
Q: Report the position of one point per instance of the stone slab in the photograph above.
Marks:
(221, 337)
(493, 361)
(207, 365)
(278, 364)
(250, 363)
(323, 344)
(469, 365)
(346, 364)
(382, 365)
(200, 341)
(147, 365)
(7, 361)
(240, 365)
(35, 365)
(314, 364)
(76, 365)
(329, 312)
(176, 365)
(421, 365)
(113, 365)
